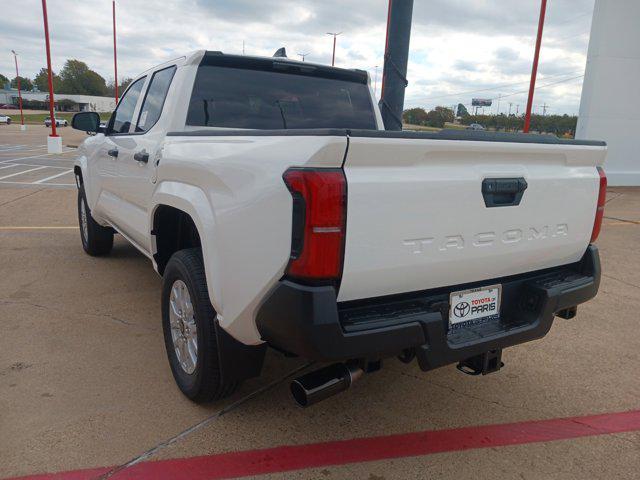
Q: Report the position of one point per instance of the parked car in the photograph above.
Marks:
(279, 213)
(5, 119)
(60, 122)
(8, 106)
(475, 126)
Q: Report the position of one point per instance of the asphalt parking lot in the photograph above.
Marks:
(86, 391)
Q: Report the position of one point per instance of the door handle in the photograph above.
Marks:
(113, 153)
(503, 192)
(141, 156)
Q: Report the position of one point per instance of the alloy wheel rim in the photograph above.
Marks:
(184, 332)
(83, 221)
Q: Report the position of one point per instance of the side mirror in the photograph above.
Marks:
(86, 121)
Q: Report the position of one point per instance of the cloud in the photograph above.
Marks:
(456, 45)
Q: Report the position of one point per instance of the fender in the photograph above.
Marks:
(193, 201)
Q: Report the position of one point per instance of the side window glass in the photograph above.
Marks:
(154, 99)
(123, 116)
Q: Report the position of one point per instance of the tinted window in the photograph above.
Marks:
(154, 99)
(244, 98)
(123, 116)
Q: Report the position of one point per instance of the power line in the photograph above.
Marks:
(488, 89)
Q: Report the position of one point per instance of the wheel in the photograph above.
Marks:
(8, 121)
(96, 239)
(189, 329)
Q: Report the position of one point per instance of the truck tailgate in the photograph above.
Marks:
(417, 216)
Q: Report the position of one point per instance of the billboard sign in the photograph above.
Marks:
(481, 102)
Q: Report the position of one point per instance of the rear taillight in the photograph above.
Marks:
(319, 218)
(602, 195)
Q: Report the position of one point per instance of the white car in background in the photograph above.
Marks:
(60, 122)
(5, 119)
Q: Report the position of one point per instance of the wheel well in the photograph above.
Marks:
(77, 171)
(174, 230)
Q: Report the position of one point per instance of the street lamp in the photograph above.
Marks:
(303, 55)
(54, 142)
(15, 57)
(375, 84)
(333, 58)
(115, 53)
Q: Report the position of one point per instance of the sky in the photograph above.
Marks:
(460, 49)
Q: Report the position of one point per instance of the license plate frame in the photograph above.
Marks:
(485, 300)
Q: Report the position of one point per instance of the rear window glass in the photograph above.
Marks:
(256, 99)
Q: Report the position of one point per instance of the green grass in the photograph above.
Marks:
(424, 128)
(38, 118)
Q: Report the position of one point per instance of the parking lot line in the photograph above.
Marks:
(8, 160)
(22, 172)
(52, 227)
(368, 449)
(52, 177)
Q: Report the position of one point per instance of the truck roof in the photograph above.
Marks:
(218, 58)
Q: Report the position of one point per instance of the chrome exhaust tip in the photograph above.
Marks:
(319, 385)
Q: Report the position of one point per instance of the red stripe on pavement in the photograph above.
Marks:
(358, 450)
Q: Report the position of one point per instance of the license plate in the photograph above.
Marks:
(471, 307)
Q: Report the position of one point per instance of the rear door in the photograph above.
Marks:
(417, 216)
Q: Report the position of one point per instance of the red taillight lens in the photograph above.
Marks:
(602, 196)
(319, 216)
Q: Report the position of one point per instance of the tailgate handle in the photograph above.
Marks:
(503, 192)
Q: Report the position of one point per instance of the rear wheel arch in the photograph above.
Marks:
(174, 230)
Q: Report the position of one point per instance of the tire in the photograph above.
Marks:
(8, 121)
(96, 239)
(199, 380)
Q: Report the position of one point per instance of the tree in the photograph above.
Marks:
(439, 116)
(3, 81)
(77, 78)
(414, 116)
(41, 81)
(462, 110)
(122, 86)
(25, 83)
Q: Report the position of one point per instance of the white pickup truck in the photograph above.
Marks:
(280, 213)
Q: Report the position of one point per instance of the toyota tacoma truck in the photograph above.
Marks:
(280, 213)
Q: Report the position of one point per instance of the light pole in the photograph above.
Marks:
(534, 69)
(333, 58)
(115, 52)
(15, 58)
(303, 55)
(375, 82)
(54, 142)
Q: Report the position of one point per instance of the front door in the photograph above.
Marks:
(119, 146)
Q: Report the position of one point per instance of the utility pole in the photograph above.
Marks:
(303, 55)
(242, 47)
(15, 58)
(499, 95)
(534, 69)
(544, 108)
(115, 53)
(510, 105)
(333, 58)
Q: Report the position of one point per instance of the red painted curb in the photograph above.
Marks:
(358, 450)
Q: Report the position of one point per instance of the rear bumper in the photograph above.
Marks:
(309, 322)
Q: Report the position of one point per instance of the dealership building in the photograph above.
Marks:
(64, 102)
(611, 96)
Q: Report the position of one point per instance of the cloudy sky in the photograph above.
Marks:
(459, 48)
